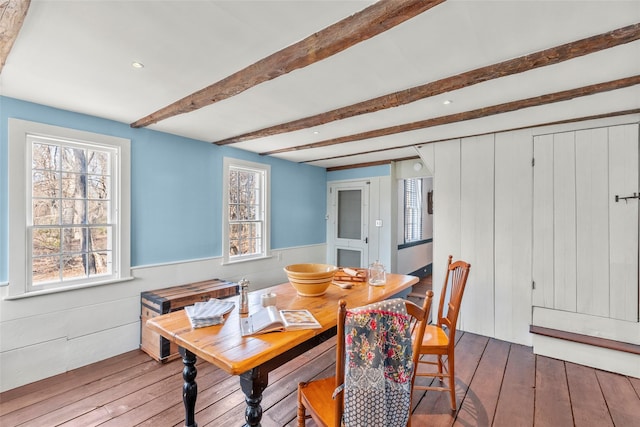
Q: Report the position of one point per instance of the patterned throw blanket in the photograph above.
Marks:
(378, 366)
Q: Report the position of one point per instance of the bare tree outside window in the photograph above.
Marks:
(246, 212)
(71, 233)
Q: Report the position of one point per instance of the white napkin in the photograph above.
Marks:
(208, 313)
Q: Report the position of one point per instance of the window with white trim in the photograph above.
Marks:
(413, 210)
(246, 210)
(73, 210)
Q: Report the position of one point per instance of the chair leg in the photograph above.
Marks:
(440, 369)
(302, 416)
(452, 382)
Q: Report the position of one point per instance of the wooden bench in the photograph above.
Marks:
(162, 301)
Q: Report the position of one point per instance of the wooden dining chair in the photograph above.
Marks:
(439, 339)
(324, 399)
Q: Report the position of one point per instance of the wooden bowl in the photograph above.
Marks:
(310, 280)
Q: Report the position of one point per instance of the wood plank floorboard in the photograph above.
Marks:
(516, 398)
(479, 405)
(497, 384)
(36, 392)
(588, 403)
(635, 382)
(553, 406)
(434, 408)
(622, 400)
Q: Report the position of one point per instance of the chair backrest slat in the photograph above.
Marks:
(453, 288)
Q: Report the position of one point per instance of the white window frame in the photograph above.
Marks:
(410, 228)
(21, 133)
(265, 171)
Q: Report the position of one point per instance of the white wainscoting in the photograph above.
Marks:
(46, 335)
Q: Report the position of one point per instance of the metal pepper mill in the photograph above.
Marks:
(244, 296)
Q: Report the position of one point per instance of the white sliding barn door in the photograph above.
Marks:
(585, 244)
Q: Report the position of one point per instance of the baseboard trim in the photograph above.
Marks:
(423, 272)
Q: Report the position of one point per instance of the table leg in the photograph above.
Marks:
(253, 383)
(190, 388)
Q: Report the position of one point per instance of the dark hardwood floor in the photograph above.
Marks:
(498, 384)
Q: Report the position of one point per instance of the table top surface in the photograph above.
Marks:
(224, 346)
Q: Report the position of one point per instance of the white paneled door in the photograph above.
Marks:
(348, 227)
(585, 243)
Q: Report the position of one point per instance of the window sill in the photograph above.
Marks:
(65, 289)
(240, 261)
(416, 243)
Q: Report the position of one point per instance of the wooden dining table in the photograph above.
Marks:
(253, 357)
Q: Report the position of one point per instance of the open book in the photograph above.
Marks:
(269, 319)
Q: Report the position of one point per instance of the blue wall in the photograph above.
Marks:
(176, 190)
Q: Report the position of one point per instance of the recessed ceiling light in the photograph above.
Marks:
(136, 64)
(315, 132)
(447, 102)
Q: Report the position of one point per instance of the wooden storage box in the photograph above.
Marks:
(162, 301)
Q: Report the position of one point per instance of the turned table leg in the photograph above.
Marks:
(253, 383)
(190, 388)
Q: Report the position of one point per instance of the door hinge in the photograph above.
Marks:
(533, 284)
(533, 161)
(366, 240)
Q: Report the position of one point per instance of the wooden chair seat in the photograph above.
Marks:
(435, 339)
(316, 396)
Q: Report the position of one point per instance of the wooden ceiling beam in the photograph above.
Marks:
(521, 64)
(12, 14)
(473, 114)
(367, 164)
(554, 123)
(367, 23)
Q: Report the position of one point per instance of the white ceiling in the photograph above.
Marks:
(77, 55)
